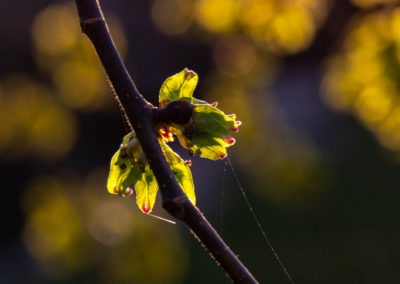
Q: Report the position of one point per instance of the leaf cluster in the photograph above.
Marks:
(200, 127)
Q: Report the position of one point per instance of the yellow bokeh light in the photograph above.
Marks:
(337, 87)
(171, 16)
(283, 27)
(256, 14)
(53, 232)
(53, 131)
(374, 103)
(217, 15)
(32, 122)
(364, 78)
(81, 86)
(68, 56)
(54, 31)
(74, 226)
(235, 55)
(106, 228)
(291, 31)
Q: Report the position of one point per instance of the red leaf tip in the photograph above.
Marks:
(230, 140)
(128, 191)
(189, 74)
(145, 207)
(236, 127)
(222, 155)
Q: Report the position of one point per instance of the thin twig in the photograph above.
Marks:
(140, 115)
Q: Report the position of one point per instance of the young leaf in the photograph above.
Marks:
(204, 145)
(121, 174)
(209, 134)
(178, 86)
(212, 120)
(146, 187)
(181, 171)
(206, 132)
(127, 138)
(130, 167)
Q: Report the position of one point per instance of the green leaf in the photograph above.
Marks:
(209, 134)
(121, 174)
(207, 146)
(181, 171)
(212, 120)
(130, 167)
(195, 101)
(146, 187)
(127, 138)
(178, 86)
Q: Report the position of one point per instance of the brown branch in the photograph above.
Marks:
(140, 115)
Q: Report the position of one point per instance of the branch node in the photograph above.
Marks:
(178, 112)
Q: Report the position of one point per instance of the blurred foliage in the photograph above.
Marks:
(38, 119)
(364, 77)
(33, 123)
(278, 26)
(64, 54)
(77, 228)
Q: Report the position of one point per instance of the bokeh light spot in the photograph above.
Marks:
(111, 223)
(235, 55)
(32, 122)
(54, 30)
(364, 77)
(81, 86)
(171, 16)
(216, 15)
(74, 226)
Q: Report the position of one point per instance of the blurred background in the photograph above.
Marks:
(316, 84)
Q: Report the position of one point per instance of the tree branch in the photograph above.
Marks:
(140, 115)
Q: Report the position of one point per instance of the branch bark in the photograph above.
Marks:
(140, 114)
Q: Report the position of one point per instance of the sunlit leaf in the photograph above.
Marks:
(130, 168)
(205, 145)
(121, 174)
(196, 101)
(209, 134)
(128, 137)
(181, 171)
(178, 86)
(363, 78)
(212, 120)
(146, 187)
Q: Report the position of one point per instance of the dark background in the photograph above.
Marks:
(318, 163)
